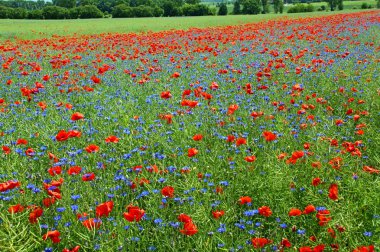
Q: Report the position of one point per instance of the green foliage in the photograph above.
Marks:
(196, 10)
(222, 9)
(55, 12)
(236, 10)
(89, 11)
(265, 6)
(19, 13)
(378, 4)
(170, 9)
(122, 10)
(35, 14)
(65, 3)
(251, 7)
(5, 12)
(278, 6)
(298, 8)
(125, 11)
(192, 1)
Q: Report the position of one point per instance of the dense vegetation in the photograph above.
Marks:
(73, 9)
(253, 137)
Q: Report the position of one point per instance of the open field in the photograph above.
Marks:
(254, 137)
(33, 29)
(348, 5)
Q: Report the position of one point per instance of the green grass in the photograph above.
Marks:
(34, 29)
(348, 5)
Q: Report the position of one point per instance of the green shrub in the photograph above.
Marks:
(19, 13)
(222, 9)
(196, 10)
(55, 12)
(298, 8)
(35, 14)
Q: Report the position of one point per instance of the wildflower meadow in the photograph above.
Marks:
(252, 137)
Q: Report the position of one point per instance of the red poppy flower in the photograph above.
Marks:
(176, 75)
(35, 214)
(316, 181)
(74, 133)
(295, 212)
(286, 243)
(16, 209)
(134, 214)
(184, 218)
(217, 214)
(260, 242)
(112, 139)
(192, 152)
(77, 116)
(168, 191)
(369, 248)
(5, 186)
(250, 159)
(92, 148)
(197, 137)
(189, 229)
(230, 139)
(88, 176)
(53, 235)
(265, 211)
(166, 95)
(47, 202)
(104, 209)
(62, 135)
(75, 249)
(269, 136)
(333, 192)
(74, 170)
(30, 152)
(21, 141)
(92, 223)
(232, 108)
(245, 200)
(370, 169)
(323, 217)
(241, 141)
(6, 150)
(56, 170)
(309, 209)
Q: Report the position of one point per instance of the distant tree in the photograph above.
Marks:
(333, 4)
(89, 11)
(281, 6)
(65, 3)
(87, 2)
(35, 14)
(236, 10)
(276, 6)
(196, 10)
(55, 12)
(251, 7)
(192, 1)
(170, 9)
(265, 6)
(222, 9)
(19, 13)
(5, 12)
(122, 10)
(340, 5)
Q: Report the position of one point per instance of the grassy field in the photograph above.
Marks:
(33, 29)
(348, 5)
(256, 137)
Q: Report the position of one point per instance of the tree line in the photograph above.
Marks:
(73, 9)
